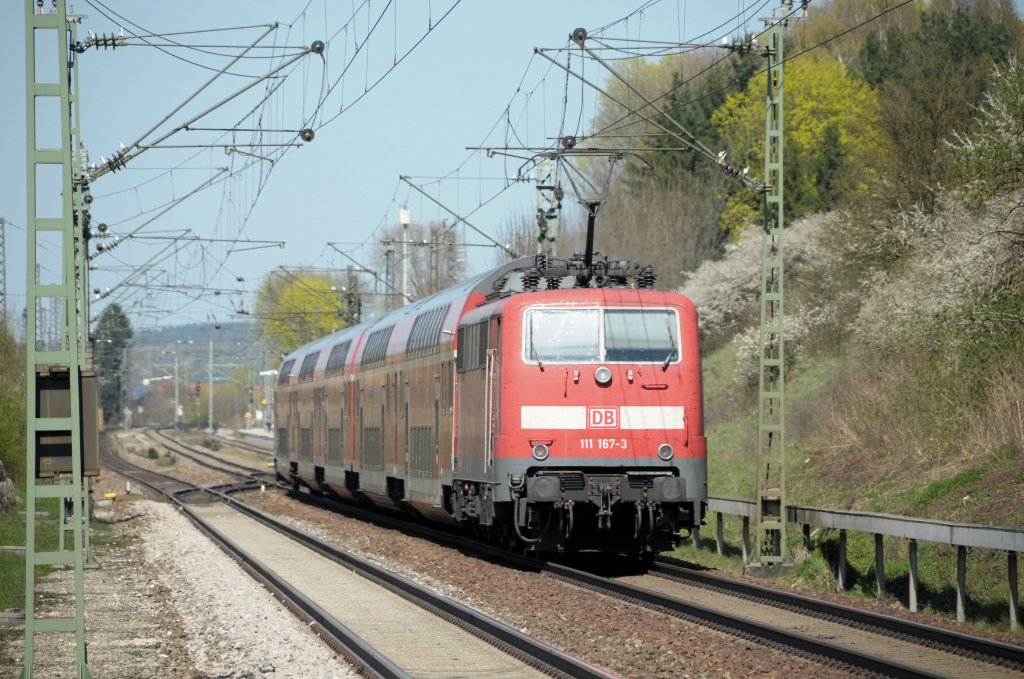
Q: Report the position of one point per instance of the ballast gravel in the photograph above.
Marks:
(233, 626)
(165, 602)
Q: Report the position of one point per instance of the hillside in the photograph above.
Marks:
(905, 359)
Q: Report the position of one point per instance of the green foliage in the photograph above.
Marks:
(12, 404)
(691, 105)
(12, 566)
(830, 146)
(943, 487)
(991, 160)
(928, 83)
(296, 307)
(112, 332)
(152, 454)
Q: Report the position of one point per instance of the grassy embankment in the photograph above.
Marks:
(893, 434)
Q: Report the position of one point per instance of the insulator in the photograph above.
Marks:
(530, 280)
(579, 35)
(499, 284)
(306, 134)
(317, 47)
(646, 278)
(554, 283)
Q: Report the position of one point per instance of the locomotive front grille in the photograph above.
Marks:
(571, 481)
(568, 480)
(640, 481)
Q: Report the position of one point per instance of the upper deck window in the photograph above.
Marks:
(601, 335)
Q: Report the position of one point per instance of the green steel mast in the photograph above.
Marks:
(57, 218)
(771, 546)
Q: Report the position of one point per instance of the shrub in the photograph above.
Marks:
(8, 497)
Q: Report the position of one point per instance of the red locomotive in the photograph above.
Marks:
(551, 404)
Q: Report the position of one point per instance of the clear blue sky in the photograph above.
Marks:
(447, 94)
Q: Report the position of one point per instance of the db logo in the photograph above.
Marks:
(602, 418)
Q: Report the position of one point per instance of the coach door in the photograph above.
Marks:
(491, 391)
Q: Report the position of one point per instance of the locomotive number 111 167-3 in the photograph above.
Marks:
(604, 444)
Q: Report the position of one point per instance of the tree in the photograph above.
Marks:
(12, 404)
(294, 307)
(663, 210)
(928, 83)
(828, 23)
(831, 138)
(111, 336)
(992, 159)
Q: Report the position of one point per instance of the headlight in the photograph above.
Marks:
(665, 451)
(603, 375)
(541, 452)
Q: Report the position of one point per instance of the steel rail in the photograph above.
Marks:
(913, 631)
(196, 456)
(245, 445)
(140, 472)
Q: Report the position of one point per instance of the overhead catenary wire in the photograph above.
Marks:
(232, 209)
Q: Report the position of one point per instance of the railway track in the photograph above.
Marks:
(209, 460)
(243, 445)
(969, 647)
(844, 636)
(163, 484)
(341, 596)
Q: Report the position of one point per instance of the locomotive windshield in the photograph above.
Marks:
(603, 335)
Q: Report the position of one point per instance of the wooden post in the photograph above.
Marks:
(841, 566)
(719, 539)
(961, 583)
(914, 582)
(1011, 568)
(879, 566)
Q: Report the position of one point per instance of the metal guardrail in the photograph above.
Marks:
(960, 535)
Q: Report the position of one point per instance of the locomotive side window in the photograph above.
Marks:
(604, 335)
(473, 341)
